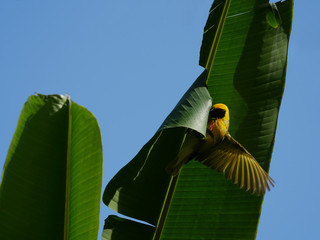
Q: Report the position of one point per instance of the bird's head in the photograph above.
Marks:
(219, 111)
(218, 121)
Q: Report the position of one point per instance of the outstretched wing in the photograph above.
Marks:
(237, 164)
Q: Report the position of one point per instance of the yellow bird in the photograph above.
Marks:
(220, 151)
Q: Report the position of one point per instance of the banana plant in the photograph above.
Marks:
(244, 55)
(52, 177)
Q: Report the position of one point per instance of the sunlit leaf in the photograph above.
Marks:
(51, 182)
(139, 188)
(248, 75)
(244, 50)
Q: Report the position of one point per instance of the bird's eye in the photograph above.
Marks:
(217, 113)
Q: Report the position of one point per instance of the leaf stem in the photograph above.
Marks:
(167, 200)
(165, 208)
(67, 194)
(217, 36)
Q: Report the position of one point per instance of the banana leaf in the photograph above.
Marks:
(138, 189)
(244, 51)
(52, 177)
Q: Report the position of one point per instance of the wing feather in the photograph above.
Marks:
(236, 175)
(237, 164)
(247, 170)
(259, 180)
(242, 172)
(253, 173)
(229, 173)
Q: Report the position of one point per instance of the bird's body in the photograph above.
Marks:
(220, 151)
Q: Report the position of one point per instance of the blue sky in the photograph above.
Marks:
(129, 62)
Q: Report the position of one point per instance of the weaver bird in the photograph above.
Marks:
(220, 151)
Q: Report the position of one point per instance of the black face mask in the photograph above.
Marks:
(216, 113)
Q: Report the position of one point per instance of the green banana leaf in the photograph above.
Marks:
(244, 50)
(52, 177)
(138, 190)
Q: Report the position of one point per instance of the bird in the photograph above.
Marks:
(221, 152)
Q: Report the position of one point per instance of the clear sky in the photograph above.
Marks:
(129, 62)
